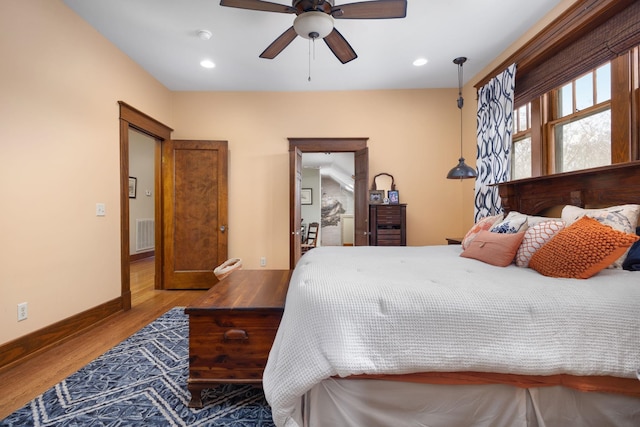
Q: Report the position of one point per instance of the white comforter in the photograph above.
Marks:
(391, 310)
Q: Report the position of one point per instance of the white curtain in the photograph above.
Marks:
(494, 133)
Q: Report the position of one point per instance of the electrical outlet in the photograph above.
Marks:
(22, 311)
(263, 261)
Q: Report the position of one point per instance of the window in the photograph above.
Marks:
(575, 122)
(581, 133)
(579, 79)
(521, 146)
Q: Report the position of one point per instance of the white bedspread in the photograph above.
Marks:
(391, 310)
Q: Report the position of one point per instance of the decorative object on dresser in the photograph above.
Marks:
(394, 197)
(232, 328)
(388, 225)
(376, 197)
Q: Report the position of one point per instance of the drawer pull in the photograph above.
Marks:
(235, 334)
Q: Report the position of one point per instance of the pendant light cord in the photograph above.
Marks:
(460, 102)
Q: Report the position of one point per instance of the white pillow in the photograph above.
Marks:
(535, 237)
(513, 223)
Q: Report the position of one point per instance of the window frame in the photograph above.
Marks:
(625, 116)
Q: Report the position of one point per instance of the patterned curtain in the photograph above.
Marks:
(494, 132)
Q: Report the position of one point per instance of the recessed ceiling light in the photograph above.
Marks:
(420, 62)
(207, 63)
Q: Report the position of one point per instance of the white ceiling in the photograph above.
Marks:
(161, 36)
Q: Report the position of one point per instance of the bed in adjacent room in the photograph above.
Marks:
(506, 334)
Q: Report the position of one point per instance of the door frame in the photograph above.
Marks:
(327, 145)
(131, 118)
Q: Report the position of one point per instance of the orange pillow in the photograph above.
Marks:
(497, 249)
(581, 250)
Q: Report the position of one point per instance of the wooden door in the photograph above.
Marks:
(194, 212)
(361, 191)
(295, 185)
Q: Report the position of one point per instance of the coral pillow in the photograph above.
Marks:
(581, 250)
(535, 237)
(494, 248)
(484, 224)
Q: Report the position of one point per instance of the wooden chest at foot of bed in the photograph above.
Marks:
(232, 328)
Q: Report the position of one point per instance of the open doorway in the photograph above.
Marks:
(328, 181)
(142, 226)
(132, 119)
(356, 146)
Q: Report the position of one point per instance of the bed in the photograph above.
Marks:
(423, 336)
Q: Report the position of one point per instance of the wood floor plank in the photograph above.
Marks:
(23, 382)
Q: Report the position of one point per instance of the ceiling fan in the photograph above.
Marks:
(315, 20)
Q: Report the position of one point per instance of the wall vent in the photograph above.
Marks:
(145, 234)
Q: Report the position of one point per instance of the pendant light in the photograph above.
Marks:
(461, 171)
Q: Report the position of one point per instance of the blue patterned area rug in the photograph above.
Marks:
(143, 382)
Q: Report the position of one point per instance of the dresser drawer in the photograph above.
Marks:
(389, 215)
(389, 237)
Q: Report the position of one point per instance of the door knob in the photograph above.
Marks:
(223, 228)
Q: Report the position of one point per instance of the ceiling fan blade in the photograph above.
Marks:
(340, 47)
(279, 44)
(380, 9)
(264, 6)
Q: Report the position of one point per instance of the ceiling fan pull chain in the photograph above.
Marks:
(314, 54)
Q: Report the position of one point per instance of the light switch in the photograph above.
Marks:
(100, 209)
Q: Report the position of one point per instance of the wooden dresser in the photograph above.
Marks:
(388, 225)
(232, 328)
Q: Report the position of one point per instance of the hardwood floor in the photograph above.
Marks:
(21, 383)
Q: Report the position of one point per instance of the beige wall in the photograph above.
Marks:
(413, 135)
(60, 82)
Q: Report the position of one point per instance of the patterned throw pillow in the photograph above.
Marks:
(581, 250)
(484, 224)
(497, 249)
(535, 237)
(623, 218)
(513, 223)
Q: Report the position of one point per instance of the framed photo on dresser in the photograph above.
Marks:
(376, 197)
(394, 197)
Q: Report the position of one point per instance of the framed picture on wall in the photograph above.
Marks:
(133, 184)
(376, 197)
(305, 196)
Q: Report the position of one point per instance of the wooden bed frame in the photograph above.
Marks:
(604, 186)
(598, 187)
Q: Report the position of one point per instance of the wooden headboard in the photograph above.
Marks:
(597, 187)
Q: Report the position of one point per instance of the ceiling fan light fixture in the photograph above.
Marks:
(313, 25)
